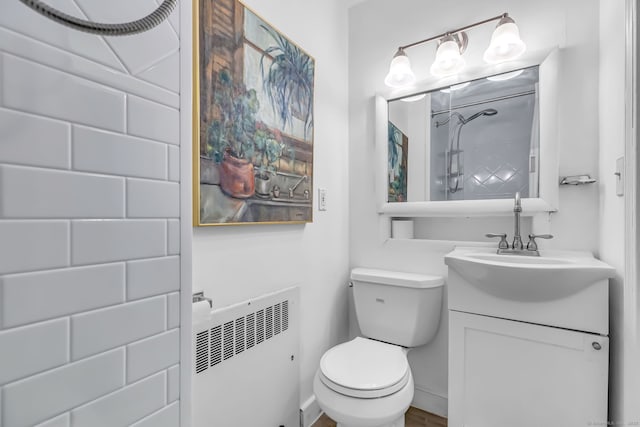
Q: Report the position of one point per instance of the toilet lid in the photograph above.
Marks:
(365, 365)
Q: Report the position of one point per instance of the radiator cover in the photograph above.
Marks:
(246, 368)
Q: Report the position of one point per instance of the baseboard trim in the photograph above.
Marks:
(430, 401)
(309, 412)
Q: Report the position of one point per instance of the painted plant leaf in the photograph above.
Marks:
(288, 81)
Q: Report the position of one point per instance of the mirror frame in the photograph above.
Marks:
(547, 200)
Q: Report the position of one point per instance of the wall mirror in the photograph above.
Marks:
(467, 147)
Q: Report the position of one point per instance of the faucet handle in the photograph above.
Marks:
(532, 245)
(503, 244)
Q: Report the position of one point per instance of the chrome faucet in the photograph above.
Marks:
(517, 248)
(292, 189)
(517, 208)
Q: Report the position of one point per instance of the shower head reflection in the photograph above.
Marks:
(463, 120)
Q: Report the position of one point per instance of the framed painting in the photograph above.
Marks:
(398, 162)
(253, 120)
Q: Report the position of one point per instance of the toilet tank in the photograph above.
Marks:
(396, 307)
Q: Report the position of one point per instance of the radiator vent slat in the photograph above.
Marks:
(269, 321)
(251, 330)
(260, 334)
(216, 345)
(285, 315)
(276, 319)
(228, 340)
(202, 351)
(224, 341)
(239, 335)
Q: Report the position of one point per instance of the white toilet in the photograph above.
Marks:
(367, 381)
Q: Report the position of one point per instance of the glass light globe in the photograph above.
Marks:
(400, 73)
(506, 44)
(448, 59)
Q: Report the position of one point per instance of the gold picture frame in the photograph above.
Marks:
(253, 120)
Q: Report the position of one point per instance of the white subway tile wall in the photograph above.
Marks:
(151, 277)
(98, 241)
(165, 73)
(174, 163)
(33, 245)
(152, 120)
(89, 221)
(100, 330)
(169, 416)
(158, 42)
(173, 310)
(152, 355)
(115, 409)
(29, 86)
(21, 348)
(34, 140)
(60, 292)
(173, 383)
(173, 237)
(63, 420)
(42, 396)
(116, 154)
(15, 16)
(29, 192)
(152, 199)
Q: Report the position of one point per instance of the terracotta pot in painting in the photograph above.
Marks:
(236, 177)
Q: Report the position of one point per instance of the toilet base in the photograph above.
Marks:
(397, 423)
(348, 411)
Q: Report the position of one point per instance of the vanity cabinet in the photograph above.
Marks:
(528, 343)
(505, 373)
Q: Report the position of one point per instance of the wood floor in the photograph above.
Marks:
(414, 417)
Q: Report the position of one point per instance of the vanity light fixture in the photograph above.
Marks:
(505, 45)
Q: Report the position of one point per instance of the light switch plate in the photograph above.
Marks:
(620, 177)
(322, 199)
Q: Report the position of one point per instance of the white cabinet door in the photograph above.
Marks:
(504, 373)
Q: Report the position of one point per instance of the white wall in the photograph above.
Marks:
(89, 220)
(623, 403)
(376, 29)
(234, 263)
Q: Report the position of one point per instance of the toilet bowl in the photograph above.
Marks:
(367, 382)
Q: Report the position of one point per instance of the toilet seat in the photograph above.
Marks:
(365, 368)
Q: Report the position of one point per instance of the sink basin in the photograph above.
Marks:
(552, 275)
(564, 289)
(516, 259)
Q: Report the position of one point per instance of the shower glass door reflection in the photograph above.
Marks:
(484, 135)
